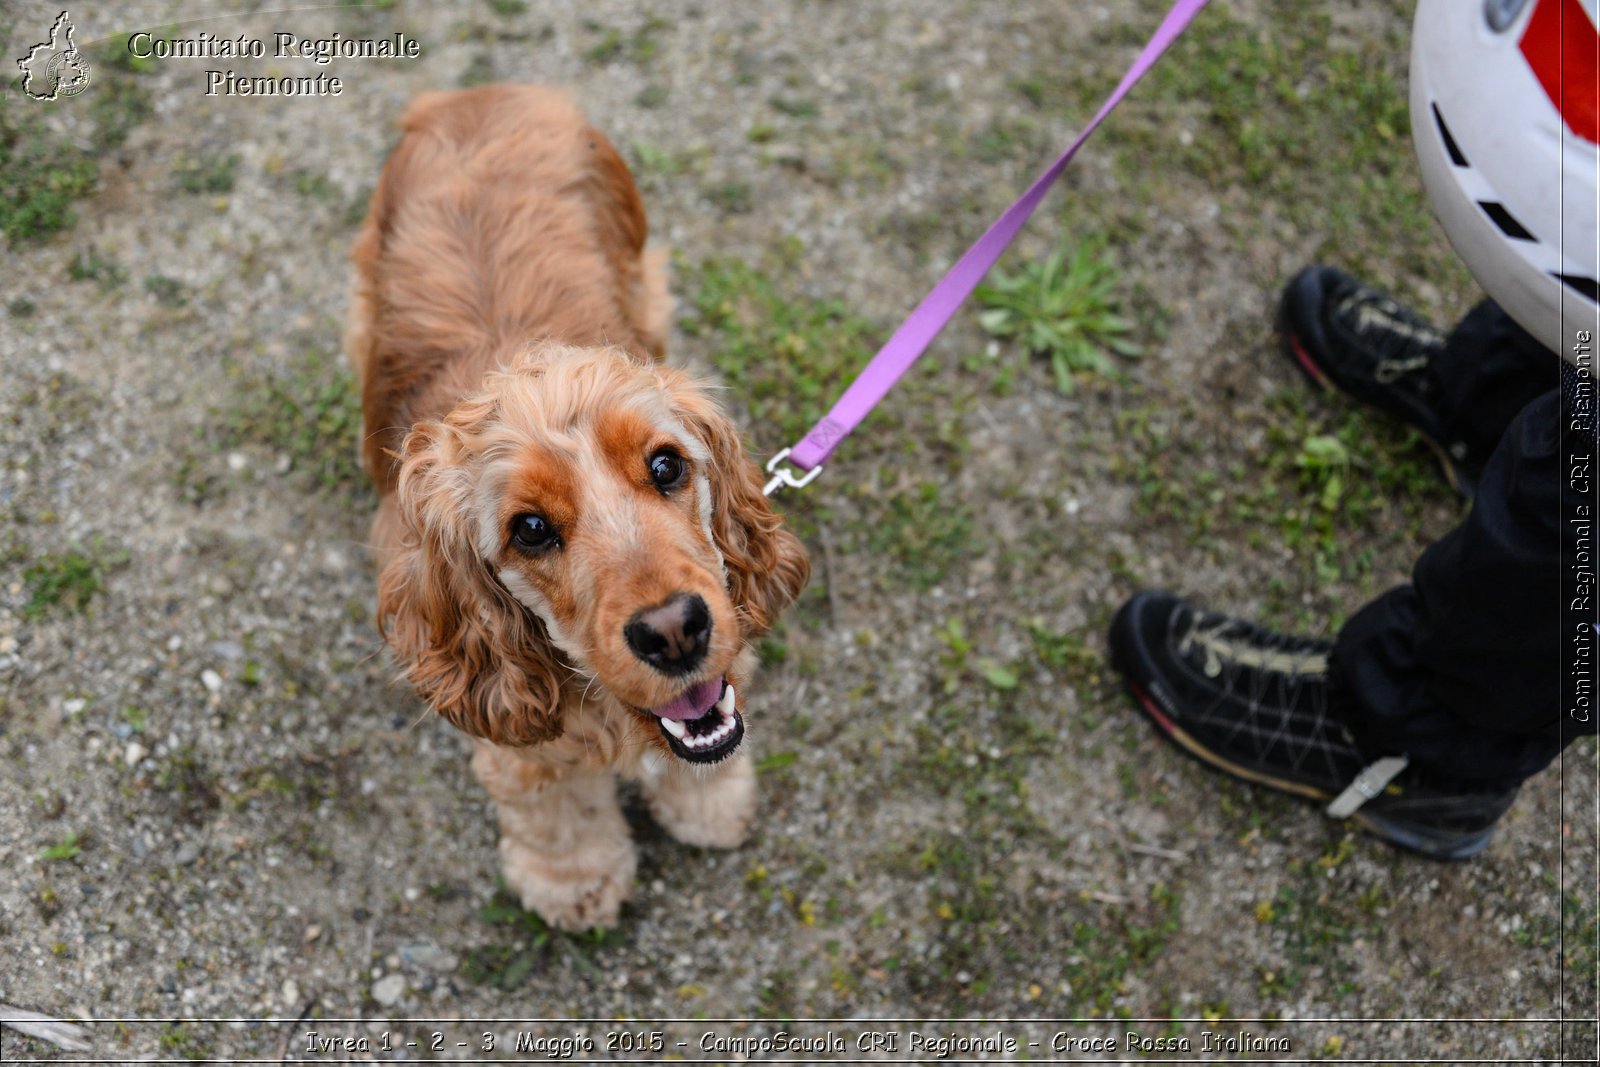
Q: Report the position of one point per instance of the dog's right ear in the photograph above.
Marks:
(468, 647)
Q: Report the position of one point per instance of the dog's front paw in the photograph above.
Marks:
(576, 892)
(709, 807)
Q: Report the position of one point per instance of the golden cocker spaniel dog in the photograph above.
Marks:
(576, 557)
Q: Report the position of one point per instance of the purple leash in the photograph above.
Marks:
(939, 306)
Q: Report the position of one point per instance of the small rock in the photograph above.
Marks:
(238, 461)
(135, 753)
(212, 680)
(187, 853)
(388, 990)
(228, 650)
(429, 957)
(73, 706)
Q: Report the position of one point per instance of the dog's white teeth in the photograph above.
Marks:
(725, 705)
(711, 740)
(674, 727)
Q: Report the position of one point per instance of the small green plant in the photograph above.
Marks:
(650, 160)
(1063, 308)
(71, 577)
(732, 197)
(136, 718)
(640, 48)
(1324, 461)
(308, 412)
(797, 109)
(169, 292)
(116, 54)
(315, 184)
(39, 180)
(783, 353)
(65, 849)
(775, 762)
(1066, 652)
(507, 965)
(478, 71)
(609, 47)
(954, 659)
(206, 174)
(998, 674)
(183, 1044)
(90, 266)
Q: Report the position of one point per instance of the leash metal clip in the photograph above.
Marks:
(785, 476)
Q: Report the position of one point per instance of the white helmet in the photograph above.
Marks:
(1503, 113)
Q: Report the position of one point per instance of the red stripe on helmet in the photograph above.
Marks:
(1562, 47)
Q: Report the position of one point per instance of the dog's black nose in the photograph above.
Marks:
(672, 637)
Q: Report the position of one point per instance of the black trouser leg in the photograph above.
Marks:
(1489, 370)
(1464, 669)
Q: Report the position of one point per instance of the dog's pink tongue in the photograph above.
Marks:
(693, 703)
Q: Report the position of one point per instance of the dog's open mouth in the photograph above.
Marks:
(701, 725)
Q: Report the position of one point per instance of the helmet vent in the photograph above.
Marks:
(1506, 221)
(1449, 142)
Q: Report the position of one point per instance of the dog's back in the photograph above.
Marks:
(502, 218)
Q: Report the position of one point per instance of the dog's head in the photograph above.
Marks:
(591, 524)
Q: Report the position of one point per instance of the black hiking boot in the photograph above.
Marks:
(1255, 704)
(1348, 336)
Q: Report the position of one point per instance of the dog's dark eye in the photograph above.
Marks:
(666, 469)
(533, 533)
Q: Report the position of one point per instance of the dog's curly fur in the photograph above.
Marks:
(507, 328)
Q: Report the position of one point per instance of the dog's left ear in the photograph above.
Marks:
(767, 565)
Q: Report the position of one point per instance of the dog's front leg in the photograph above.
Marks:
(564, 845)
(707, 806)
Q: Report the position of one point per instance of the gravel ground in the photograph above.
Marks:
(218, 805)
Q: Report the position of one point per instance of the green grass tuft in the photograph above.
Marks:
(65, 849)
(923, 532)
(206, 173)
(39, 180)
(42, 175)
(1061, 308)
(71, 578)
(308, 412)
(787, 356)
(169, 292)
(90, 266)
